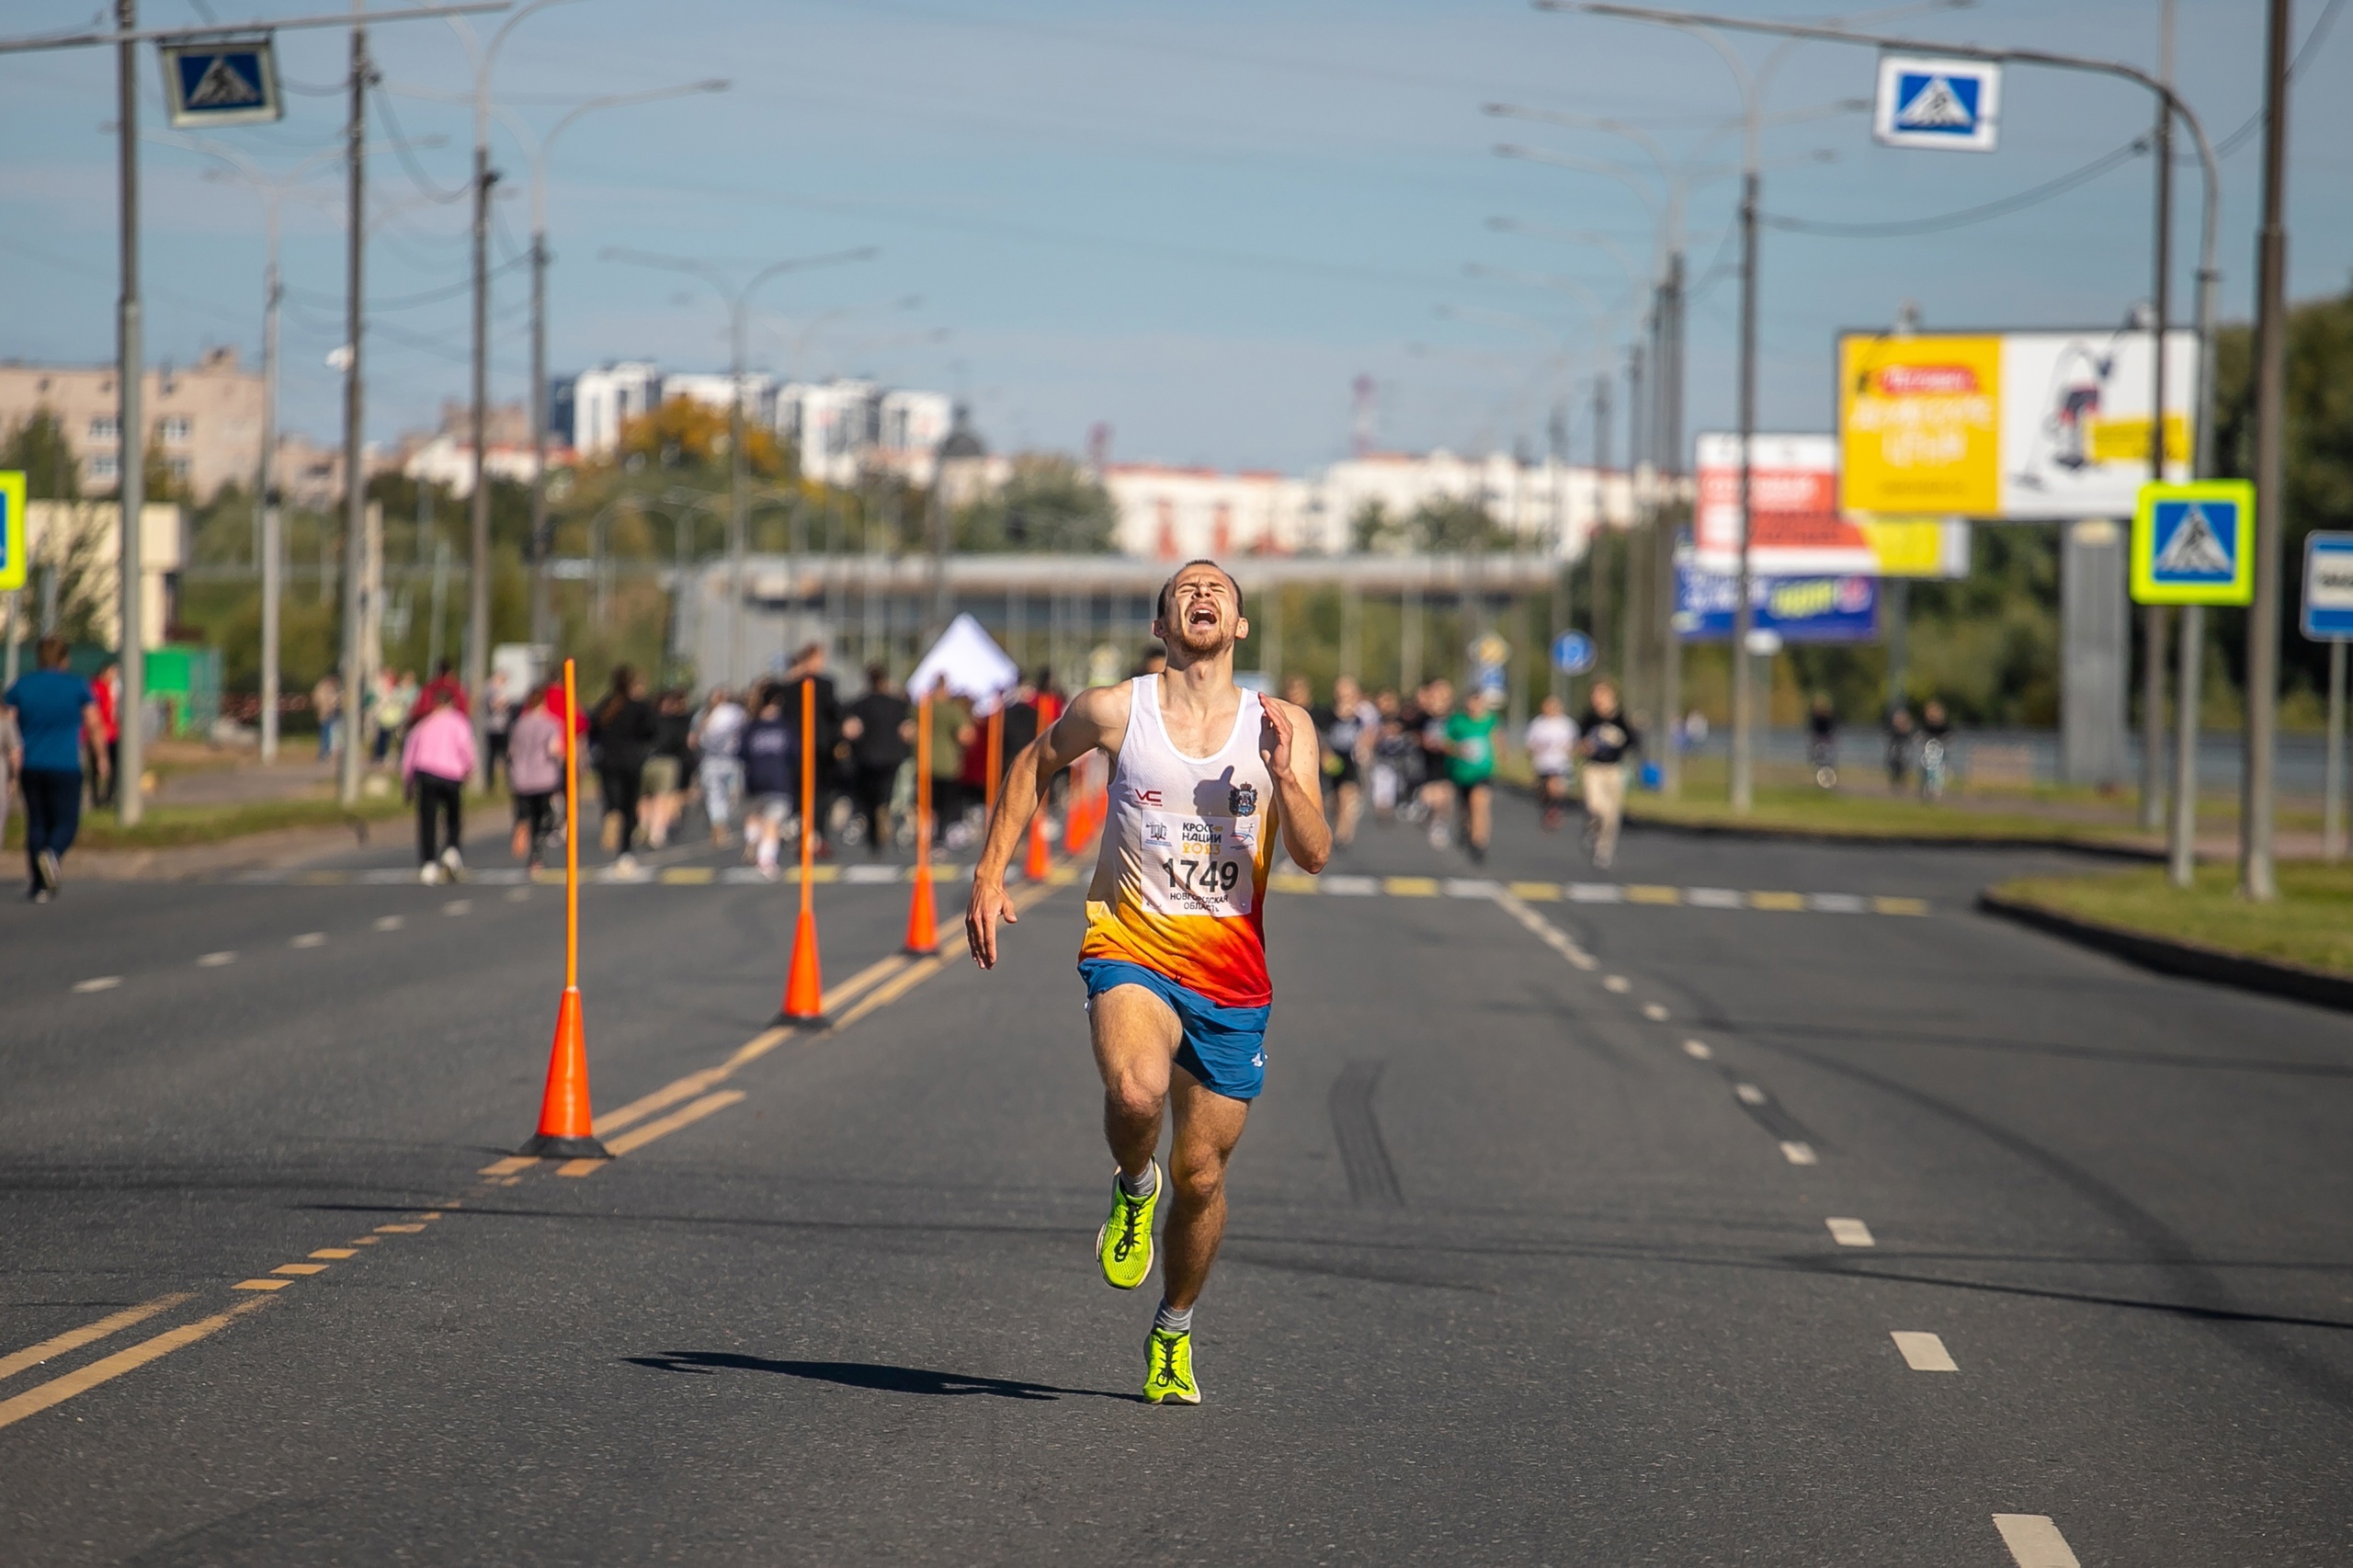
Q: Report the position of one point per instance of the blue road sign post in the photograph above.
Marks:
(221, 82)
(2194, 544)
(2328, 618)
(1946, 105)
(16, 535)
(2328, 586)
(1573, 653)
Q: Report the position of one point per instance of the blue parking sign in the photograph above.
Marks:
(221, 84)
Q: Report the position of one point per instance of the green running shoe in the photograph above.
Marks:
(1168, 1369)
(1124, 1243)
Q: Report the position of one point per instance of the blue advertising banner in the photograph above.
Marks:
(1798, 610)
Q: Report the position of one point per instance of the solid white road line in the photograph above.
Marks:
(1749, 1094)
(388, 923)
(458, 906)
(1923, 1352)
(1617, 983)
(309, 939)
(1799, 1154)
(96, 982)
(1697, 1051)
(214, 960)
(1654, 1012)
(2034, 1541)
(1852, 1233)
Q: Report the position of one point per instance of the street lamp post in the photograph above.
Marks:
(538, 150)
(739, 304)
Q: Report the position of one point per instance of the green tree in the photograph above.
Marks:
(1049, 503)
(37, 447)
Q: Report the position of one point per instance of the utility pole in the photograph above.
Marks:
(535, 551)
(131, 464)
(477, 650)
(1744, 702)
(273, 544)
(1671, 446)
(355, 486)
(2154, 620)
(2256, 881)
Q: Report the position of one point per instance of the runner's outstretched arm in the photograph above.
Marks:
(1295, 763)
(1097, 717)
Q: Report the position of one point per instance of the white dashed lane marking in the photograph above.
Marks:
(96, 982)
(214, 960)
(458, 906)
(1799, 1154)
(2034, 1541)
(1749, 1094)
(1655, 1012)
(309, 939)
(388, 923)
(1923, 1352)
(1697, 1051)
(1852, 1233)
(1617, 984)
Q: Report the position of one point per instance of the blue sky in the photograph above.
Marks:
(1196, 222)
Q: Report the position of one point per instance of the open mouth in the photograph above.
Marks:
(1202, 615)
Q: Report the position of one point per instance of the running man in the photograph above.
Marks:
(1206, 779)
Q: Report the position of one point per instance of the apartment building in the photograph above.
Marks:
(205, 417)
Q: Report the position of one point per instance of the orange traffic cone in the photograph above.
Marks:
(922, 917)
(567, 1128)
(1041, 862)
(804, 987)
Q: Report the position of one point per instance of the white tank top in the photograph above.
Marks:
(1180, 882)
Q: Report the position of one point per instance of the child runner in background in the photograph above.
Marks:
(1551, 742)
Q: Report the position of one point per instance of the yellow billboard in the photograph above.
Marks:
(1920, 427)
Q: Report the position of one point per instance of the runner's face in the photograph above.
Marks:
(1204, 619)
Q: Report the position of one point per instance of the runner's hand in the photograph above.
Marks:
(989, 904)
(1278, 756)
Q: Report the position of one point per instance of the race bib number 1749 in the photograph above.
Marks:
(1197, 864)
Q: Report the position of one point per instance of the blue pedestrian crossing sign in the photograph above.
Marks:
(1573, 653)
(16, 535)
(2194, 544)
(1952, 105)
(2328, 586)
(221, 83)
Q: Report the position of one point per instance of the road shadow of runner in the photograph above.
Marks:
(866, 1375)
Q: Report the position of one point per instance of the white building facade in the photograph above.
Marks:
(1171, 513)
(844, 428)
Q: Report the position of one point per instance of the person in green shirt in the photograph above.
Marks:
(1470, 766)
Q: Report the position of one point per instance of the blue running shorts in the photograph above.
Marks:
(1226, 1047)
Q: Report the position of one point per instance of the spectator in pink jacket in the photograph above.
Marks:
(434, 765)
(535, 772)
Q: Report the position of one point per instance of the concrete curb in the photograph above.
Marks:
(1898, 840)
(2169, 955)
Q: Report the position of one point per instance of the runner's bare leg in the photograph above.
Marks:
(1208, 1127)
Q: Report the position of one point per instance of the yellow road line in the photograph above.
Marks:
(1289, 881)
(1410, 887)
(398, 1230)
(1539, 892)
(333, 1252)
(57, 1390)
(261, 1284)
(1900, 905)
(662, 1127)
(509, 1166)
(1790, 900)
(884, 997)
(1641, 892)
(300, 1269)
(873, 974)
(689, 875)
(89, 1333)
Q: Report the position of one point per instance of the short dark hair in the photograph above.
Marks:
(1169, 588)
(51, 652)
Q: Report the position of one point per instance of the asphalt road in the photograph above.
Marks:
(1524, 1264)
